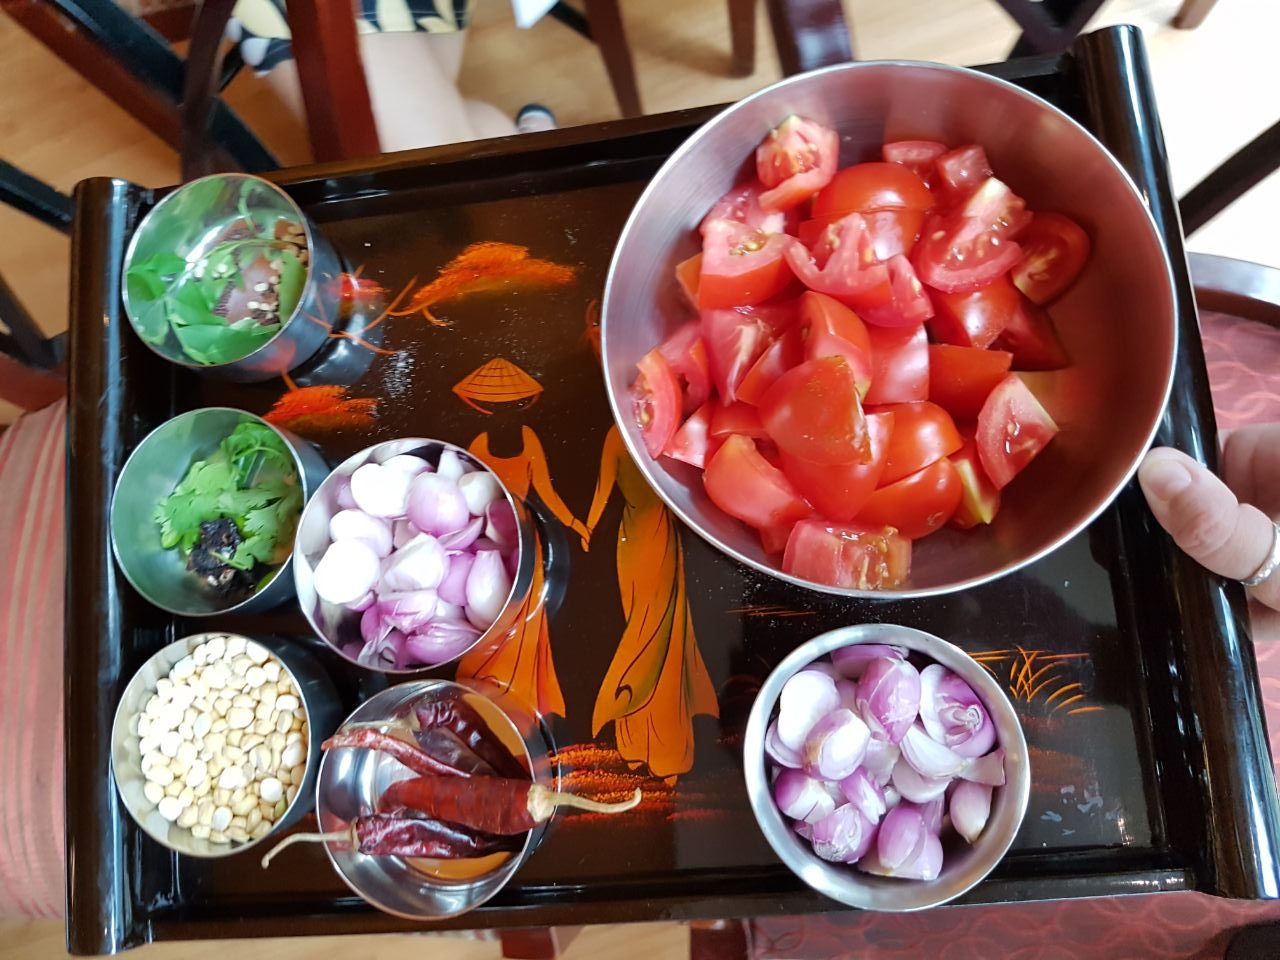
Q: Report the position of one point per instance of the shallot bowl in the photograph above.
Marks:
(963, 865)
(398, 597)
(1116, 322)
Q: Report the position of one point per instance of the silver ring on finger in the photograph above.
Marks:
(1272, 562)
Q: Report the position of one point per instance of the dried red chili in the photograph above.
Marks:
(401, 833)
(462, 720)
(410, 754)
(491, 804)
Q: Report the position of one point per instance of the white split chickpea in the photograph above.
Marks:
(223, 741)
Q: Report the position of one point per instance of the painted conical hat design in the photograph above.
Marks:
(497, 381)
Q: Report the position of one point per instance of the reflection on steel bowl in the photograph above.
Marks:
(958, 865)
(1116, 321)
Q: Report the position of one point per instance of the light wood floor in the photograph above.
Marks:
(1215, 88)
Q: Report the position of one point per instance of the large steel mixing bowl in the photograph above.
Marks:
(1117, 321)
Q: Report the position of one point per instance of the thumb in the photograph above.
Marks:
(1206, 520)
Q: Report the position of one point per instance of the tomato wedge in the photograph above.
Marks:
(961, 378)
(1012, 430)
(892, 232)
(922, 433)
(742, 205)
(1054, 251)
(866, 187)
(655, 402)
(855, 557)
(979, 499)
(692, 442)
(917, 505)
(736, 417)
(686, 354)
(962, 171)
(830, 329)
(774, 538)
(734, 342)
(780, 356)
(974, 245)
(838, 492)
(687, 273)
(744, 485)
(910, 305)
(795, 161)
(812, 412)
(918, 156)
(842, 264)
(741, 266)
(1030, 336)
(977, 317)
(899, 365)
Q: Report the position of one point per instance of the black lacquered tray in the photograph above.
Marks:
(1131, 667)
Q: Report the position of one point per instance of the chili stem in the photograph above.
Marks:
(336, 836)
(543, 802)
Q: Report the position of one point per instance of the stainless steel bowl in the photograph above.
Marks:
(1117, 322)
(187, 220)
(320, 707)
(351, 781)
(150, 474)
(336, 624)
(964, 865)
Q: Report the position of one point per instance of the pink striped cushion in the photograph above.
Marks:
(32, 491)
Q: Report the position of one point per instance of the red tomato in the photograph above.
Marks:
(742, 205)
(781, 355)
(1054, 250)
(734, 342)
(922, 433)
(865, 187)
(1029, 335)
(961, 171)
(795, 161)
(744, 485)
(687, 272)
(973, 245)
(686, 354)
(891, 231)
(918, 156)
(737, 417)
(916, 505)
(979, 498)
(741, 266)
(838, 492)
(961, 378)
(655, 401)
(899, 364)
(774, 538)
(975, 318)
(813, 412)
(830, 329)
(1012, 429)
(693, 443)
(843, 265)
(856, 557)
(911, 306)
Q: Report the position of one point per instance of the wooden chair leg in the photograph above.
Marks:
(537, 943)
(1192, 13)
(331, 72)
(605, 20)
(742, 32)
(1238, 174)
(809, 34)
(719, 940)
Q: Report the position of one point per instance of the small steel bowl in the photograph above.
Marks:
(351, 781)
(337, 625)
(151, 473)
(1117, 322)
(964, 865)
(320, 708)
(188, 220)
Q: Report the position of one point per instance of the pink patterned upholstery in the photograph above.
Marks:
(32, 485)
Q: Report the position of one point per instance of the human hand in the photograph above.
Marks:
(1225, 526)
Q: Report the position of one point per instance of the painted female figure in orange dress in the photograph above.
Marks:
(657, 682)
(521, 662)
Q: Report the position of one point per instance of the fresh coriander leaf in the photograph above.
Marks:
(165, 265)
(152, 322)
(143, 285)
